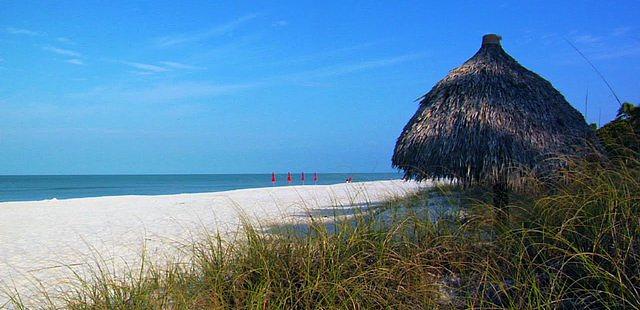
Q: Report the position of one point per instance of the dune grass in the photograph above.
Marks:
(572, 244)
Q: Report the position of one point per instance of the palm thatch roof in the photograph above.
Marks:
(487, 122)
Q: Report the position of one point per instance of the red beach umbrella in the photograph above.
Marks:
(289, 177)
(303, 178)
(273, 178)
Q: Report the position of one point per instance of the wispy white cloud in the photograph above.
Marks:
(21, 31)
(343, 69)
(149, 68)
(621, 31)
(280, 23)
(177, 39)
(75, 61)
(190, 90)
(61, 51)
(138, 72)
(608, 49)
(177, 65)
(164, 92)
(618, 52)
(159, 67)
(323, 54)
(75, 58)
(65, 40)
(587, 39)
(610, 46)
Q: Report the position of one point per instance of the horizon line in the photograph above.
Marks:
(178, 174)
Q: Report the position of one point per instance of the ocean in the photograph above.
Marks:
(41, 187)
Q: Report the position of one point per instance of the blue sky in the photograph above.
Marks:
(111, 87)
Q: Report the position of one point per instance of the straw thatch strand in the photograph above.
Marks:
(487, 122)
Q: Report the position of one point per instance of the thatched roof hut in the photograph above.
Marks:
(487, 122)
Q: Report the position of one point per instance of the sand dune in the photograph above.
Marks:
(46, 240)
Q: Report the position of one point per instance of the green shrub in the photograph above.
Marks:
(621, 137)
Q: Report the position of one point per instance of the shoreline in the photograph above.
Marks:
(47, 239)
(297, 186)
(38, 187)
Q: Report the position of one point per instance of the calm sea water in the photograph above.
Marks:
(27, 188)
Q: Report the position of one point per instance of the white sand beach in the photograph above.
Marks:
(42, 242)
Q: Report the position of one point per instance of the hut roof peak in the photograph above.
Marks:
(491, 38)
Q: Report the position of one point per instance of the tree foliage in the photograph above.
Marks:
(621, 137)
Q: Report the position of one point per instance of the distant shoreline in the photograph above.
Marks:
(46, 187)
(283, 186)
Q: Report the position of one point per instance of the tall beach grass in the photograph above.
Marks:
(571, 244)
